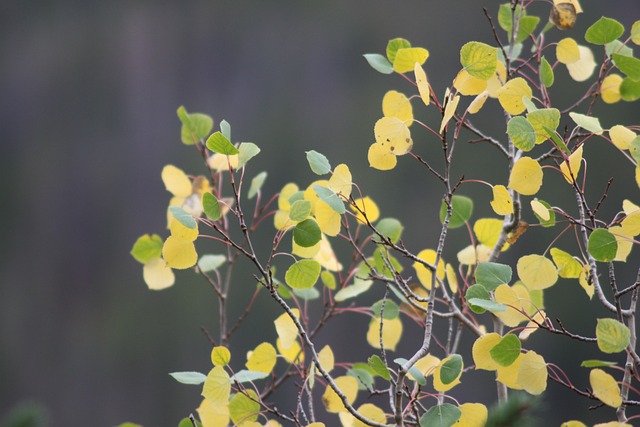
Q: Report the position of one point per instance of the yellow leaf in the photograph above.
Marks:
(217, 385)
(285, 194)
(291, 354)
(396, 104)
(451, 103)
(621, 136)
(610, 88)
(367, 205)
(282, 221)
(466, 84)
(513, 315)
(326, 257)
(328, 219)
(176, 181)
(571, 167)
(502, 203)
(311, 195)
(605, 388)
(573, 423)
(584, 281)
(567, 51)
(427, 365)
(472, 415)
(424, 274)
(575, 3)
(582, 69)
(423, 83)
(612, 424)
(262, 358)
(480, 351)
(532, 375)
(541, 210)
(221, 162)
(303, 252)
(220, 356)
(452, 279)
(340, 181)
(526, 176)
(631, 224)
(406, 59)
(181, 232)
(477, 103)
(629, 207)
(497, 81)
(471, 255)
(532, 326)
(286, 328)
(332, 402)
(394, 135)
(372, 412)
(524, 295)
(179, 253)
(213, 414)
(391, 333)
(488, 231)
(508, 375)
(568, 266)
(625, 243)
(346, 419)
(325, 356)
(157, 275)
(537, 272)
(316, 425)
(437, 381)
(510, 95)
(381, 158)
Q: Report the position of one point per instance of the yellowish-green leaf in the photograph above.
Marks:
(612, 336)
(542, 120)
(605, 388)
(217, 386)
(567, 51)
(406, 59)
(422, 83)
(157, 275)
(146, 248)
(526, 176)
(621, 136)
(479, 59)
(179, 253)
(394, 45)
(603, 31)
(573, 423)
(603, 245)
(262, 358)
(537, 272)
(332, 402)
(396, 104)
(571, 167)
(522, 133)
(583, 68)
(568, 266)
(244, 408)
(589, 123)
(220, 356)
(511, 94)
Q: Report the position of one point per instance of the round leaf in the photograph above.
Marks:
(612, 336)
(444, 415)
(479, 59)
(505, 352)
(303, 274)
(603, 31)
(522, 133)
(307, 233)
(602, 245)
(462, 210)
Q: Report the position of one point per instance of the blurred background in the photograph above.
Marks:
(88, 94)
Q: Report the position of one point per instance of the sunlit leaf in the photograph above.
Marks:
(176, 181)
(605, 388)
(508, 375)
(213, 414)
(157, 275)
(487, 231)
(220, 356)
(568, 266)
(396, 104)
(451, 104)
(211, 206)
(567, 51)
(478, 102)
(380, 157)
(625, 243)
(406, 58)
(179, 253)
(218, 143)
(479, 59)
(543, 120)
(508, 296)
(468, 85)
(379, 367)
(394, 135)
(621, 136)
(526, 176)
(628, 65)
(340, 181)
(303, 274)
(369, 207)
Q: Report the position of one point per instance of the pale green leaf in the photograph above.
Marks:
(379, 63)
(318, 162)
(189, 377)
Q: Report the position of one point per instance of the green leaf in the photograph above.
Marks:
(521, 133)
(612, 336)
(303, 274)
(218, 143)
(462, 210)
(505, 18)
(330, 198)
(185, 422)
(318, 162)
(557, 140)
(146, 248)
(307, 233)
(491, 275)
(379, 63)
(486, 304)
(552, 215)
(527, 25)
(225, 128)
(195, 126)
(211, 206)
(394, 46)
(479, 59)
(630, 89)
(602, 245)
(245, 376)
(358, 287)
(628, 65)
(588, 123)
(183, 216)
(546, 73)
(617, 46)
(444, 415)
(506, 351)
(300, 209)
(389, 227)
(603, 31)
(211, 262)
(592, 363)
(545, 121)
(391, 309)
(451, 369)
(246, 151)
(256, 184)
(414, 371)
(379, 367)
(307, 294)
(475, 292)
(364, 377)
(189, 377)
(328, 279)
(243, 408)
